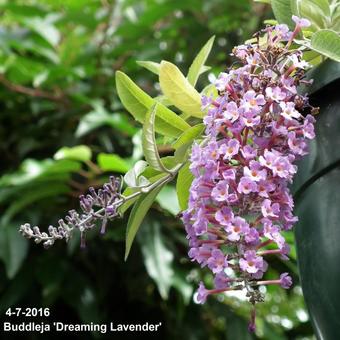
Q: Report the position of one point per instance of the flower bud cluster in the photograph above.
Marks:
(107, 199)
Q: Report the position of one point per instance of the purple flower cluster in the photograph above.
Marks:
(239, 199)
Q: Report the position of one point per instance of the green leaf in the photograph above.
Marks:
(163, 100)
(40, 78)
(318, 228)
(150, 65)
(271, 22)
(127, 204)
(335, 6)
(128, 191)
(133, 177)
(31, 170)
(197, 66)
(312, 57)
(327, 42)
(13, 249)
(181, 154)
(178, 90)
(137, 215)
(317, 206)
(189, 135)
(149, 143)
(99, 117)
(324, 148)
(157, 257)
(78, 153)
(40, 192)
(316, 11)
(167, 199)
(322, 75)
(184, 179)
(168, 161)
(210, 91)
(137, 151)
(112, 162)
(45, 29)
(137, 102)
(283, 12)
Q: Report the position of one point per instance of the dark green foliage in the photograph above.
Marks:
(317, 234)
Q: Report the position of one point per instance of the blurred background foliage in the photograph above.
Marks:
(63, 129)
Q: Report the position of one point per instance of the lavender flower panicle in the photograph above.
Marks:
(108, 199)
(239, 199)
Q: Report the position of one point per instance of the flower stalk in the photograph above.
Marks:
(108, 199)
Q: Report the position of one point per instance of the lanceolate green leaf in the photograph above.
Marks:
(178, 90)
(112, 162)
(316, 201)
(197, 66)
(189, 135)
(183, 184)
(127, 204)
(78, 153)
(163, 100)
(157, 257)
(317, 12)
(324, 74)
(318, 228)
(43, 28)
(335, 9)
(149, 143)
(169, 162)
(327, 42)
(137, 102)
(150, 65)
(181, 154)
(283, 12)
(168, 200)
(137, 215)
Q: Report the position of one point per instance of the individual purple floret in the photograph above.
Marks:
(239, 200)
